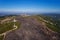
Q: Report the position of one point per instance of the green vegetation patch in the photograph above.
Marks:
(5, 27)
(17, 24)
(1, 37)
(53, 27)
(56, 23)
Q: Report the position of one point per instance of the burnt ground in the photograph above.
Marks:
(31, 29)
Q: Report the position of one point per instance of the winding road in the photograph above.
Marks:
(15, 27)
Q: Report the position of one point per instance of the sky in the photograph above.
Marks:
(30, 5)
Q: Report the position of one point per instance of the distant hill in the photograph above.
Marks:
(56, 16)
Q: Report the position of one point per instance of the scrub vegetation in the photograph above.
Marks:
(55, 26)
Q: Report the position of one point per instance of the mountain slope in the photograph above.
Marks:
(31, 29)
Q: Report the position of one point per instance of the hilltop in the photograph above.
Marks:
(33, 28)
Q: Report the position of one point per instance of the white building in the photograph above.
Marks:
(14, 20)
